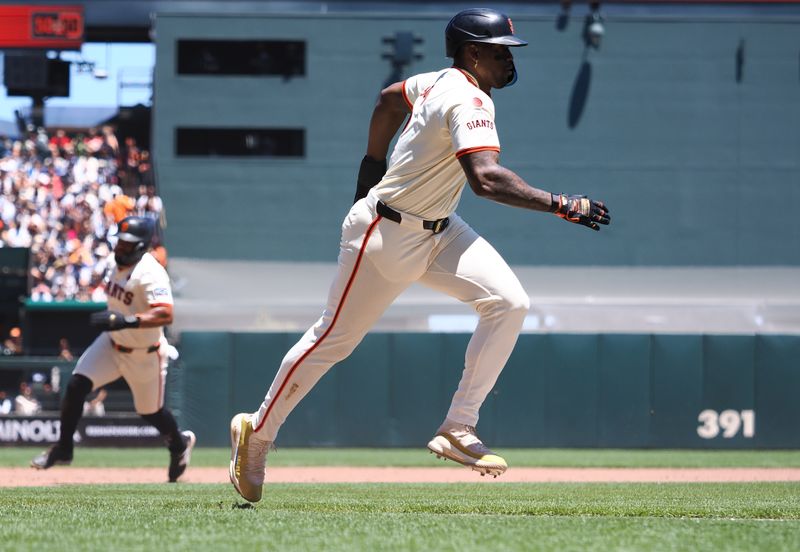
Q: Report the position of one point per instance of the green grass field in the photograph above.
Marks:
(565, 458)
(499, 516)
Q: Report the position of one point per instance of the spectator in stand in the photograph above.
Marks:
(5, 403)
(49, 400)
(110, 143)
(18, 236)
(129, 168)
(40, 290)
(13, 343)
(149, 204)
(97, 289)
(146, 170)
(60, 141)
(96, 405)
(94, 141)
(64, 352)
(119, 208)
(40, 141)
(25, 404)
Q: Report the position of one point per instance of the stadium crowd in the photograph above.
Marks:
(62, 196)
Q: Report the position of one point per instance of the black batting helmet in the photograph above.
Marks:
(138, 230)
(479, 25)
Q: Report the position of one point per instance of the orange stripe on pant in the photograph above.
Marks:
(300, 360)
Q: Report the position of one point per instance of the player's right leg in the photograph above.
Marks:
(460, 443)
(179, 443)
(366, 283)
(146, 375)
(94, 369)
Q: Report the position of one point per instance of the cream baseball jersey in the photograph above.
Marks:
(450, 117)
(137, 289)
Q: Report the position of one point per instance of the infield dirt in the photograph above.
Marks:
(28, 477)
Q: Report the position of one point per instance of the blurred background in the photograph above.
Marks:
(239, 126)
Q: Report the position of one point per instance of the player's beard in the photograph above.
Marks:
(512, 75)
(512, 78)
(128, 260)
(122, 260)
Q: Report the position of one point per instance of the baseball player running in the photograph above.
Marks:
(403, 228)
(133, 347)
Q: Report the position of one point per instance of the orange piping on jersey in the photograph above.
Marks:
(154, 305)
(405, 96)
(408, 103)
(460, 153)
(300, 360)
(470, 78)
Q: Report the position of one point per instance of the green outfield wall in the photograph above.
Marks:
(557, 390)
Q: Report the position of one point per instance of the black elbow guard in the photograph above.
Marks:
(369, 174)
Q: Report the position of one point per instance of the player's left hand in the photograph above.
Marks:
(579, 209)
(112, 320)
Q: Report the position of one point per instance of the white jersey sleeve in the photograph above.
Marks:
(472, 128)
(155, 284)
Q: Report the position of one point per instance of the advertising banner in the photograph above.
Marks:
(108, 431)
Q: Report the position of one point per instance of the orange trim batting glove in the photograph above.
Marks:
(579, 209)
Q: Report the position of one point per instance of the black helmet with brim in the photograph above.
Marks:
(479, 25)
(138, 230)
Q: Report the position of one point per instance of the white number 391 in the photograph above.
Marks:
(729, 421)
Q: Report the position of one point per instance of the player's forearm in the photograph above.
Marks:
(155, 317)
(504, 186)
(490, 180)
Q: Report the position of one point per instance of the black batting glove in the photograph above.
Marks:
(369, 174)
(112, 320)
(579, 209)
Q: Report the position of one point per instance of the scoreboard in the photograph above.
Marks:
(54, 27)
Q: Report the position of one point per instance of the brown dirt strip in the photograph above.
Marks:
(62, 475)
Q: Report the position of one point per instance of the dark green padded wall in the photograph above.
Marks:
(557, 390)
(778, 370)
(677, 368)
(695, 166)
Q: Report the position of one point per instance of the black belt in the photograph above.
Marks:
(123, 349)
(435, 226)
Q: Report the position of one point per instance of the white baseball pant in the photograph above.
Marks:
(378, 259)
(145, 373)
